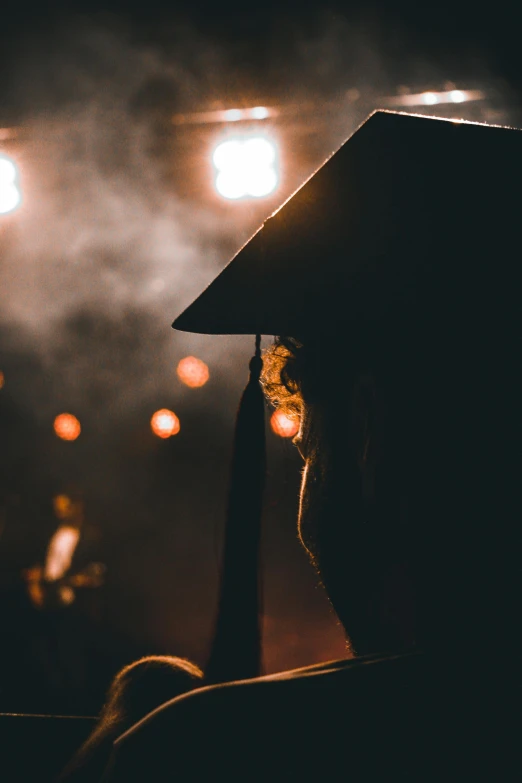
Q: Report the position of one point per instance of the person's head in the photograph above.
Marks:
(395, 268)
(143, 685)
(136, 690)
(410, 432)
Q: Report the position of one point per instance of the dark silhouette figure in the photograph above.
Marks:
(136, 690)
(236, 646)
(394, 280)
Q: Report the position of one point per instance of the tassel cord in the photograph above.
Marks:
(236, 647)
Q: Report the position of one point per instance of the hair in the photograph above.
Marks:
(433, 429)
(283, 374)
(137, 689)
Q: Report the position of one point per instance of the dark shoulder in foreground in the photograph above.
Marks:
(366, 716)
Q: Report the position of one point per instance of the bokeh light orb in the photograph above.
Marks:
(260, 150)
(67, 594)
(164, 423)
(283, 425)
(67, 426)
(457, 96)
(193, 372)
(227, 154)
(9, 193)
(245, 166)
(7, 170)
(260, 113)
(430, 98)
(263, 183)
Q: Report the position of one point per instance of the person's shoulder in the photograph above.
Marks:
(262, 719)
(305, 723)
(284, 691)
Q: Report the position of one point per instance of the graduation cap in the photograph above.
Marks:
(411, 211)
(381, 222)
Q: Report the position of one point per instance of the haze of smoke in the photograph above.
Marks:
(104, 253)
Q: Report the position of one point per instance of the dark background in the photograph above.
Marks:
(120, 228)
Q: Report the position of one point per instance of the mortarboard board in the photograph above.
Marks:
(410, 210)
(383, 220)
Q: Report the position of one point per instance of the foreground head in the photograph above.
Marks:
(410, 437)
(137, 689)
(143, 685)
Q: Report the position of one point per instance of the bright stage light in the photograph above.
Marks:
(164, 423)
(259, 113)
(457, 96)
(233, 115)
(245, 167)
(430, 98)
(9, 192)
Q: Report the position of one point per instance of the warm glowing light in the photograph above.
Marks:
(164, 423)
(60, 552)
(33, 577)
(9, 192)
(67, 426)
(67, 594)
(259, 113)
(63, 506)
(193, 372)
(226, 154)
(259, 150)
(2, 379)
(283, 425)
(233, 115)
(430, 98)
(245, 167)
(91, 576)
(457, 96)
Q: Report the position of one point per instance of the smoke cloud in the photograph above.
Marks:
(107, 248)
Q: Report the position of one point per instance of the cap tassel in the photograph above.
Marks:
(236, 647)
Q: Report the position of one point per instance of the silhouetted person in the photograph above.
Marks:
(394, 280)
(136, 690)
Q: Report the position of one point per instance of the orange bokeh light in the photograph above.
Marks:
(193, 372)
(67, 426)
(164, 423)
(283, 425)
(2, 379)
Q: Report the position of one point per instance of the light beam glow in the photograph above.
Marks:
(245, 167)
